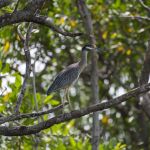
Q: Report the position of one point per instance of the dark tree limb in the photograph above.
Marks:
(28, 15)
(27, 130)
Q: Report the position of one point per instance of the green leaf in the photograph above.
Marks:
(48, 98)
(18, 80)
(6, 68)
(72, 141)
(54, 102)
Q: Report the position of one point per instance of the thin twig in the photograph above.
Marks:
(30, 115)
(16, 6)
(34, 86)
(28, 69)
(145, 6)
(3, 91)
(136, 17)
(19, 33)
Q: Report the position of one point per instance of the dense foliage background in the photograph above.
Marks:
(124, 40)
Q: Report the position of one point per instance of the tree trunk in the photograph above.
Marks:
(85, 14)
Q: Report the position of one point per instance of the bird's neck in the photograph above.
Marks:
(83, 61)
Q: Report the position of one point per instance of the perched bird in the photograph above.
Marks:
(67, 77)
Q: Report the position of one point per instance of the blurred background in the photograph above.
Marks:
(124, 41)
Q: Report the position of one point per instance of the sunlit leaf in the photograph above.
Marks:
(6, 97)
(6, 46)
(73, 23)
(104, 35)
(105, 120)
(128, 52)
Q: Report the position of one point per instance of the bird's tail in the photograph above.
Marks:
(49, 91)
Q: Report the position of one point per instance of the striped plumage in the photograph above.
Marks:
(65, 78)
(70, 75)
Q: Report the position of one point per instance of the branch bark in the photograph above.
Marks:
(29, 115)
(27, 15)
(27, 130)
(86, 16)
(145, 74)
(28, 70)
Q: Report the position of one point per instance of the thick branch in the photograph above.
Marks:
(27, 130)
(27, 15)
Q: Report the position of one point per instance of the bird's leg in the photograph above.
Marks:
(68, 98)
(63, 99)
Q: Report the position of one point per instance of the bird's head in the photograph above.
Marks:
(88, 47)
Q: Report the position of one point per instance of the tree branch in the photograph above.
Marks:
(87, 19)
(29, 115)
(145, 6)
(27, 130)
(145, 74)
(27, 15)
(146, 67)
(139, 18)
(28, 69)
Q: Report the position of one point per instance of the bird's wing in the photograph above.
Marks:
(65, 78)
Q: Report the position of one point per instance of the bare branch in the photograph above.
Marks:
(16, 6)
(145, 6)
(139, 18)
(30, 115)
(87, 19)
(34, 86)
(28, 69)
(145, 73)
(19, 33)
(47, 22)
(27, 130)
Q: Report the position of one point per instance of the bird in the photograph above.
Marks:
(69, 76)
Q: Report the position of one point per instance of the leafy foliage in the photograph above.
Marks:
(124, 41)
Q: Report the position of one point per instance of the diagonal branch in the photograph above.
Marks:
(28, 15)
(27, 130)
(145, 6)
